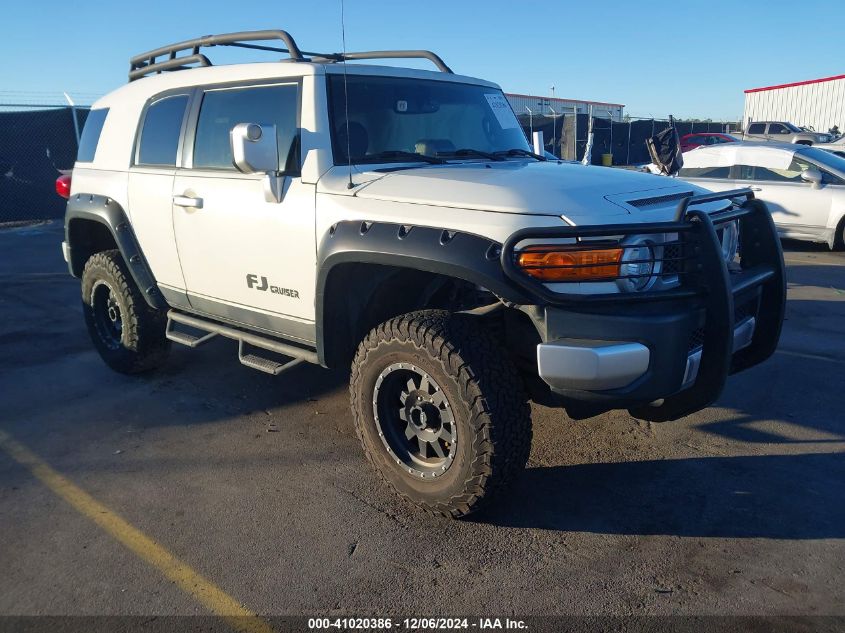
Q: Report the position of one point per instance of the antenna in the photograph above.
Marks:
(350, 184)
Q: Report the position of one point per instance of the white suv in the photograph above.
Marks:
(396, 220)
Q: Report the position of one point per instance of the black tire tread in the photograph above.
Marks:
(145, 346)
(490, 386)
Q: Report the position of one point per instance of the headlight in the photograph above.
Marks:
(729, 236)
(637, 267)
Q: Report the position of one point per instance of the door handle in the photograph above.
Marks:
(187, 201)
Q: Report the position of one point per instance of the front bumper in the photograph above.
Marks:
(665, 354)
(567, 365)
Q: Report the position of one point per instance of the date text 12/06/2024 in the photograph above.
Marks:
(415, 624)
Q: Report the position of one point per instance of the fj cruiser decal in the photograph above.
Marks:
(260, 283)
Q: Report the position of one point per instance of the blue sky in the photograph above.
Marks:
(687, 58)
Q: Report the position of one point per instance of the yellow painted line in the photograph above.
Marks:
(203, 590)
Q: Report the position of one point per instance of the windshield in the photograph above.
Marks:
(792, 128)
(396, 120)
(823, 158)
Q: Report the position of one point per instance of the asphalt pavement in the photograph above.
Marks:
(258, 486)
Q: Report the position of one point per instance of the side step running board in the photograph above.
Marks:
(213, 328)
(266, 365)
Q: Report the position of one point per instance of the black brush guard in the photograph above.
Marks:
(704, 277)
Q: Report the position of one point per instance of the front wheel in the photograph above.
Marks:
(440, 410)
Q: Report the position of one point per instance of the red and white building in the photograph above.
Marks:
(817, 103)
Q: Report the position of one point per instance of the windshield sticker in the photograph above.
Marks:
(502, 109)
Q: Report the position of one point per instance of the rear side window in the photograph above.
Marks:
(265, 105)
(705, 172)
(757, 128)
(159, 140)
(91, 135)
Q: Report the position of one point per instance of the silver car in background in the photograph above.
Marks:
(783, 132)
(804, 187)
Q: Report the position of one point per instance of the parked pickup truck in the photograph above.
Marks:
(394, 221)
(783, 132)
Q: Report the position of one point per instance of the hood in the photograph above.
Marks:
(580, 194)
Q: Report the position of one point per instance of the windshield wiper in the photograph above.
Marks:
(468, 151)
(405, 156)
(518, 151)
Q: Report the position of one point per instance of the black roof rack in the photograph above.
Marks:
(147, 64)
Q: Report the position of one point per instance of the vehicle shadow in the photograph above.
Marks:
(770, 496)
(800, 246)
(790, 404)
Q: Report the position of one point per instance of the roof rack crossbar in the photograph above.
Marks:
(410, 54)
(173, 63)
(146, 64)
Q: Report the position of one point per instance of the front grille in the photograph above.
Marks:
(672, 258)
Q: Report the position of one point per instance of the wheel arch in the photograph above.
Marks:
(95, 223)
(370, 272)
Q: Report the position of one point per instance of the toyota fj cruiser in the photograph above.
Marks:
(396, 220)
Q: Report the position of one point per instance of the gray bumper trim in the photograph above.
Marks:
(591, 365)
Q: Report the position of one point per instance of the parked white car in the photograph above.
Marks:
(836, 147)
(804, 187)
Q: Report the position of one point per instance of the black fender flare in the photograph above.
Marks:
(456, 254)
(106, 211)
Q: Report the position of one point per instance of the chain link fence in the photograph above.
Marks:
(37, 142)
(565, 135)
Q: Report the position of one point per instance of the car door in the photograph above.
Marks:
(150, 189)
(796, 206)
(246, 259)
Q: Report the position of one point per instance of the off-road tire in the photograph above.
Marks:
(486, 396)
(140, 344)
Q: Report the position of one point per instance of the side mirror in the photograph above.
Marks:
(255, 149)
(813, 176)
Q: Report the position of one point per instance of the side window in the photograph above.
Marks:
(757, 128)
(744, 172)
(790, 174)
(831, 179)
(778, 128)
(159, 139)
(705, 172)
(222, 109)
(91, 135)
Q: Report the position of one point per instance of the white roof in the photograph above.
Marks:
(773, 156)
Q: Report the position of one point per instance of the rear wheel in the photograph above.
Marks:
(839, 238)
(127, 332)
(440, 411)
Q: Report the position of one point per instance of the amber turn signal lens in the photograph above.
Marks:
(557, 263)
